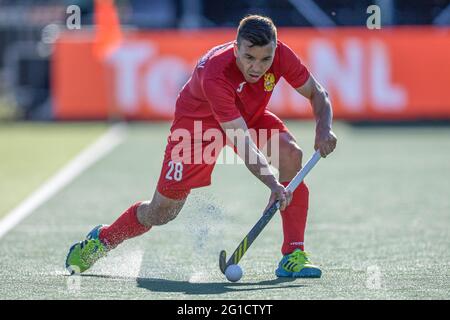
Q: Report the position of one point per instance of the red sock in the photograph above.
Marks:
(125, 227)
(294, 219)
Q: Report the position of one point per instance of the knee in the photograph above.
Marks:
(293, 156)
(297, 154)
(150, 214)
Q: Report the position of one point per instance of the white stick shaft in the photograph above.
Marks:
(304, 171)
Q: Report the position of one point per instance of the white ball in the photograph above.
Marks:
(233, 273)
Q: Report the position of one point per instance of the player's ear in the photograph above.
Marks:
(276, 45)
(235, 49)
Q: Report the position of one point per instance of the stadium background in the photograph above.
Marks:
(379, 217)
(50, 72)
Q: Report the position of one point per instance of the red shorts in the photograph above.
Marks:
(192, 150)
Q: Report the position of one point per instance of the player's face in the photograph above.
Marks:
(254, 61)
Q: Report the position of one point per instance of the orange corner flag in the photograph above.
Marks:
(108, 34)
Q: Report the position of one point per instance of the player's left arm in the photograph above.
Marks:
(325, 139)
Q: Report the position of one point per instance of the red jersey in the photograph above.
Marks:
(218, 88)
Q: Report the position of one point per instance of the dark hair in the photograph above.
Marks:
(259, 30)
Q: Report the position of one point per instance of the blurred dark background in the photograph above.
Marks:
(29, 27)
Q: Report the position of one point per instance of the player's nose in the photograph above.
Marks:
(258, 68)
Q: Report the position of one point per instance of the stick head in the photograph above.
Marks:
(223, 261)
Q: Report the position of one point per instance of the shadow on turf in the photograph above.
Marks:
(162, 285)
(186, 287)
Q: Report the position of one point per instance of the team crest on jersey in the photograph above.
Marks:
(269, 81)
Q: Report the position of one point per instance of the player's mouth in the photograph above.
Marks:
(254, 77)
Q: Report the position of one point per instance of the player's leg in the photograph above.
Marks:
(288, 160)
(176, 180)
(136, 220)
(140, 218)
(295, 262)
(160, 210)
(287, 157)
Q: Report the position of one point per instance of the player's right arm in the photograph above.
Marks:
(237, 131)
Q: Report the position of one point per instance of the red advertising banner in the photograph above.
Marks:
(388, 74)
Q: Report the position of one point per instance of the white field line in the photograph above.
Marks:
(102, 146)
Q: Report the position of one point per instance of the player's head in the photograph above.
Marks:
(255, 46)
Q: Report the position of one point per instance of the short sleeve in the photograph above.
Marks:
(221, 97)
(292, 69)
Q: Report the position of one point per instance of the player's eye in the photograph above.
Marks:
(250, 57)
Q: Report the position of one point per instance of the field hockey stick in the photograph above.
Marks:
(264, 220)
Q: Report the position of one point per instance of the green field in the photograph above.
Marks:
(379, 225)
(32, 152)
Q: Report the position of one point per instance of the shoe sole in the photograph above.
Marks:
(304, 273)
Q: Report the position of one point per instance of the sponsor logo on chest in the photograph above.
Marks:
(269, 83)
